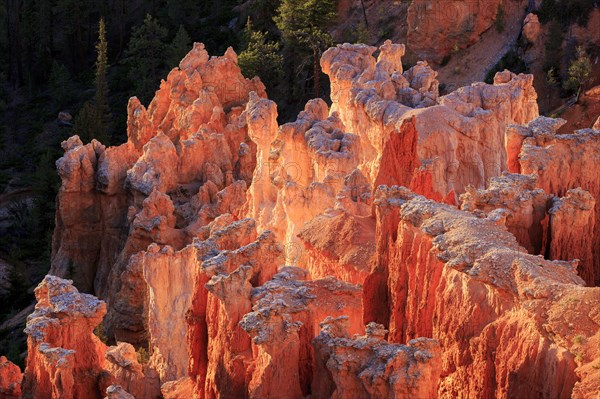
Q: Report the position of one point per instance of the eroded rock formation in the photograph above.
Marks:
(245, 258)
(187, 160)
(466, 282)
(10, 379)
(564, 162)
(64, 357)
(369, 367)
(285, 318)
(409, 136)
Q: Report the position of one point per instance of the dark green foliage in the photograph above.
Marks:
(261, 58)
(303, 26)
(146, 60)
(261, 12)
(180, 46)
(566, 12)
(553, 47)
(511, 61)
(85, 124)
(500, 22)
(60, 84)
(101, 109)
(580, 72)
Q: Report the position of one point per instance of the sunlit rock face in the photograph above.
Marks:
(368, 366)
(10, 379)
(64, 357)
(409, 135)
(465, 281)
(187, 160)
(564, 162)
(554, 227)
(396, 244)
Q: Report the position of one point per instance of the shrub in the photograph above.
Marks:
(500, 22)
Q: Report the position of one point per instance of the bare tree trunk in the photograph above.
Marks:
(14, 42)
(362, 2)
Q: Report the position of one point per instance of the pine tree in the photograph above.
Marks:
(93, 118)
(60, 84)
(580, 71)
(261, 57)
(84, 122)
(180, 46)
(303, 25)
(500, 22)
(102, 112)
(147, 57)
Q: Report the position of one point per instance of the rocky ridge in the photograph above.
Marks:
(327, 256)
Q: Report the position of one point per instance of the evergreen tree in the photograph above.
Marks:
(261, 58)
(303, 25)
(93, 118)
(580, 71)
(84, 122)
(60, 84)
(147, 57)
(101, 97)
(553, 47)
(262, 13)
(500, 22)
(180, 46)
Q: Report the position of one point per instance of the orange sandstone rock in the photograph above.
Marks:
(339, 244)
(117, 392)
(409, 136)
(369, 367)
(187, 160)
(563, 162)
(571, 230)
(466, 282)
(10, 379)
(525, 205)
(64, 357)
(285, 317)
(436, 28)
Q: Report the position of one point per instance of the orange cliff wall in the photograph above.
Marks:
(563, 162)
(248, 257)
(465, 281)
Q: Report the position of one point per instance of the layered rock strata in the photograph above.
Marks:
(187, 160)
(240, 258)
(466, 282)
(409, 136)
(368, 366)
(286, 314)
(563, 162)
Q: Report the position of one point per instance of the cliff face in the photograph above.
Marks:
(326, 256)
(466, 282)
(562, 162)
(187, 160)
(64, 358)
(409, 136)
(10, 379)
(435, 29)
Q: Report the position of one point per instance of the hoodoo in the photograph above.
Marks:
(398, 243)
